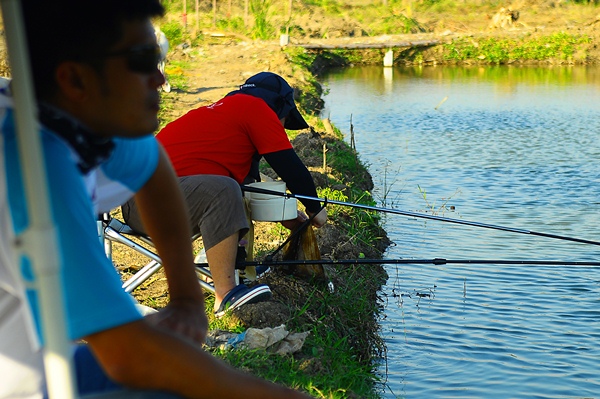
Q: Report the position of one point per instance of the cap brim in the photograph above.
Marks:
(295, 121)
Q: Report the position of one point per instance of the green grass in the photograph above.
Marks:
(560, 46)
(328, 365)
(261, 10)
(173, 31)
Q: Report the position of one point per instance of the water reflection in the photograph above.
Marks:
(513, 146)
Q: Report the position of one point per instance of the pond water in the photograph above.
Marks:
(506, 146)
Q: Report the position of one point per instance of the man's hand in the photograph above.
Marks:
(184, 317)
(320, 218)
(293, 223)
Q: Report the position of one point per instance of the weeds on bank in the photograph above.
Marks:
(329, 365)
(289, 371)
(560, 46)
(388, 181)
(262, 29)
(355, 220)
(337, 357)
(176, 75)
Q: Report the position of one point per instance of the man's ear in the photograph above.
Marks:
(73, 80)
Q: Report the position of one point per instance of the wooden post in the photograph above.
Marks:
(246, 13)
(197, 17)
(284, 39)
(214, 7)
(352, 143)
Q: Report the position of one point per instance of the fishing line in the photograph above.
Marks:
(434, 261)
(424, 216)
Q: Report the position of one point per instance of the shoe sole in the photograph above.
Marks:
(267, 270)
(257, 295)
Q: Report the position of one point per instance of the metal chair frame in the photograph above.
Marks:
(111, 230)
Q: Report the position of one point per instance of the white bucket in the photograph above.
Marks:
(278, 186)
(274, 209)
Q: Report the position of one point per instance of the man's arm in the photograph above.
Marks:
(290, 168)
(141, 356)
(165, 216)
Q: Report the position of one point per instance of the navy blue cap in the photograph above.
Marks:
(278, 95)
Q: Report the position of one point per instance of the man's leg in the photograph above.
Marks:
(221, 259)
(217, 209)
(217, 212)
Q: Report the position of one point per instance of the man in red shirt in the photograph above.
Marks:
(214, 149)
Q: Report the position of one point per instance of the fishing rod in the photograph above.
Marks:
(434, 261)
(421, 215)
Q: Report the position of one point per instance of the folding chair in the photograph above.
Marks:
(111, 230)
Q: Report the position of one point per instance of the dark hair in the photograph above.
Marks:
(75, 30)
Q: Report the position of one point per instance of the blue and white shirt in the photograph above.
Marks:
(92, 287)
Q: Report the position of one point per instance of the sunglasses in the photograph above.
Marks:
(141, 59)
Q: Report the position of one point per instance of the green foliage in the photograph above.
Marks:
(437, 6)
(175, 73)
(343, 158)
(301, 57)
(170, 5)
(174, 32)
(349, 56)
(262, 28)
(333, 194)
(287, 370)
(395, 24)
(358, 222)
(308, 94)
(560, 46)
(235, 24)
(329, 6)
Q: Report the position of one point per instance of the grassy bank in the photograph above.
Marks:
(340, 355)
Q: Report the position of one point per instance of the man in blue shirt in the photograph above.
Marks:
(96, 80)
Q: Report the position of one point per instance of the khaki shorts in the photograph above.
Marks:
(215, 205)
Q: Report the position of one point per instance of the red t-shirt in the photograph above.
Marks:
(221, 138)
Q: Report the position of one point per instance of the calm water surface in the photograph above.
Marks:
(515, 147)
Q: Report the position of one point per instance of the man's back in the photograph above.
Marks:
(94, 298)
(18, 341)
(223, 137)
